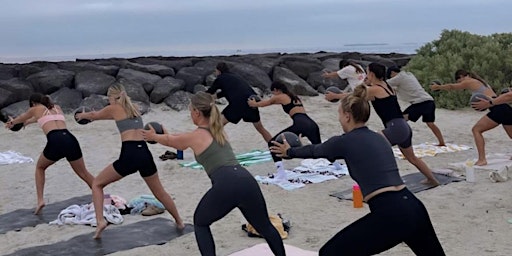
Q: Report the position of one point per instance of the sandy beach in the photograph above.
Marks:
(469, 218)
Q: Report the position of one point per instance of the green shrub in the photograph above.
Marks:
(488, 56)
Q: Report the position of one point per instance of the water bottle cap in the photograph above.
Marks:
(355, 186)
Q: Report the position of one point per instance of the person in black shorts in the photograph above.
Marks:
(232, 185)
(135, 155)
(61, 142)
(396, 215)
(302, 125)
(409, 90)
(236, 91)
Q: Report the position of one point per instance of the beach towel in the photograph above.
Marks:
(412, 181)
(13, 157)
(245, 159)
(430, 149)
(114, 239)
(85, 215)
(18, 219)
(263, 250)
(310, 171)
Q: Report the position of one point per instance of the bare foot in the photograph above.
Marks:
(39, 207)
(180, 226)
(441, 145)
(481, 162)
(101, 226)
(430, 182)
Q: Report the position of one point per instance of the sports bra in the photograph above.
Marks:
(130, 124)
(294, 103)
(387, 108)
(49, 116)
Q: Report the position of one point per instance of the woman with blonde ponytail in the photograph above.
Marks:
(232, 185)
(396, 215)
(135, 155)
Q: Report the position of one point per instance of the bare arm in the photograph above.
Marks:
(457, 86)
(332, 74)
(104, 114)
(263, 103)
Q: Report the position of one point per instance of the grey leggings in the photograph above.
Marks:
(233, 187)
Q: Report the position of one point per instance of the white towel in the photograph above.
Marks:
(84, 215)
(12, 157)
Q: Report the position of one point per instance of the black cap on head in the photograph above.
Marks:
(392, 69)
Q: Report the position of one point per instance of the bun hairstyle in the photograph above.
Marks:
(40, 99)
(118, 91)
(283, 88)
(205, 103)
(357, 104)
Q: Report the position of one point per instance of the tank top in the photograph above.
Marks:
(215, 156)
(130, 124)
(294, 103)
(49, 116)
(387, 108)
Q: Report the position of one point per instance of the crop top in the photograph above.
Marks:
(215, 156)
(48, 116)
(129, 124)
(288, 107)
(370, 159)
(387, 108)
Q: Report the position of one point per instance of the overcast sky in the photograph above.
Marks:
(46, 29)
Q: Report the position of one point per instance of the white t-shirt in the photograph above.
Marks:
(408, 88)
(353, 78)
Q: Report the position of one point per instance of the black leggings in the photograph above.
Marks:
(302, 125)
(395, 217)
(233, 187)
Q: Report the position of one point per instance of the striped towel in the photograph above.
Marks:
(245, 159)
(430, 149)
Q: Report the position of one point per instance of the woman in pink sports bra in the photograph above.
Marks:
(60, 142)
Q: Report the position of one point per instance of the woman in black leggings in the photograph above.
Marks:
(396, 215)
(302, 123)
(232, 185)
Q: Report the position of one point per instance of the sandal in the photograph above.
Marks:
(168, 155)
(152, 210)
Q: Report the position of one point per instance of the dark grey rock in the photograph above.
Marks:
(49, 81)
(21, 88)
(6, 98)
(179, 100)
(93, 82)
(164, 88)
(155, 69)
(14, 110)
(138, 77)
(67, 99)
(77, 67)
(191, 76)
(294, 82)
(134, 90)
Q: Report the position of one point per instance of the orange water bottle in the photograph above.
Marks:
(357, 196)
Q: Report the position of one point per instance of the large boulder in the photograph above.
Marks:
(316, 80)
(134, 90)
(94, 102)
(21, 88)
(49, 81)
(378, 59)
(7, 72)
(255, 76)
(93, 82)
(138, 77)
(155, 69)
(13, 110)
(178, 100)
(191, 76)
(6, 98)
(294, 82)
(164, 88)
(77, 67)
(67, 99)
(302, 66)
(174, 64)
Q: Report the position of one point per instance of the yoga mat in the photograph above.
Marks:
(263, 250)
(412, 181)
(114, 239)
(21, 218)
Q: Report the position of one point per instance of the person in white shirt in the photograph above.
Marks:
(352, 72)
(409, 90)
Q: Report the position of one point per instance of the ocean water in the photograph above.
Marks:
(405, 48)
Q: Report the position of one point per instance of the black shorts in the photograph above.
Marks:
(501, 114)
(427, 109)
(398, 132)
(61, 143)
(135, 156)
(234, 114)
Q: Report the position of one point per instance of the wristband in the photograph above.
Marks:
(490, 103)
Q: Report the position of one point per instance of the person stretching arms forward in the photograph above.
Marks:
(232, 185)
(396, 215)
(135, 155)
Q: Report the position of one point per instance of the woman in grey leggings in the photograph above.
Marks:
(232, 185)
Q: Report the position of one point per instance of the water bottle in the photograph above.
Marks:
(357, 196)
(179, 154)
(470, 171)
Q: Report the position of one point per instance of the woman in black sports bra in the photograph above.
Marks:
(135, 155)
(302, 123)
(397, 131)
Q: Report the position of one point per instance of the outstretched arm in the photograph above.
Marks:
(21, 118)
(330, 149)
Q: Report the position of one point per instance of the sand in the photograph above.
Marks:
(469, 218)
